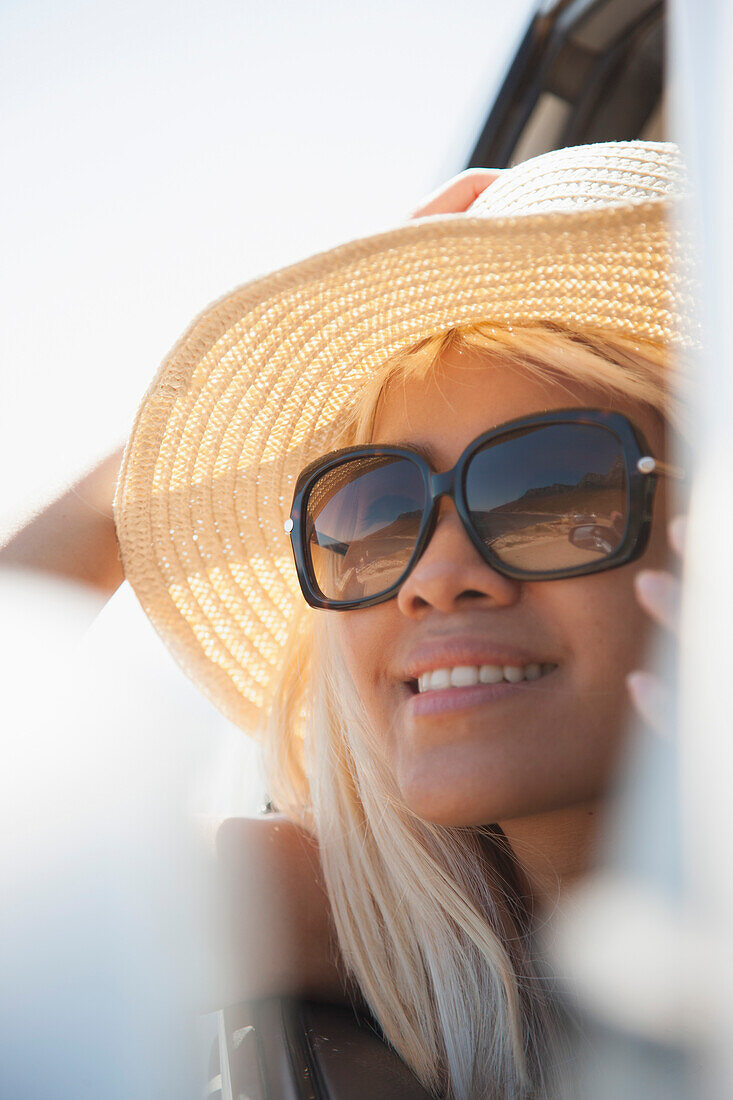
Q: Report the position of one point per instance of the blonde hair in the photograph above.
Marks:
(433, 922)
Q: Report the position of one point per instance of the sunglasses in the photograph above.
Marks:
(543, 497)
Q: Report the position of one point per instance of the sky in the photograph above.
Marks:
(158, 154)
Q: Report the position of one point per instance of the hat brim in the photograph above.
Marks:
(259, 384)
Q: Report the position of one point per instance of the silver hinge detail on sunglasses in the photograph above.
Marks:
(649, 465)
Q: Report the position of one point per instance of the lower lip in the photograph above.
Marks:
(463, 698)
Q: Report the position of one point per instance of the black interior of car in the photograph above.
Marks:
(285, 1049)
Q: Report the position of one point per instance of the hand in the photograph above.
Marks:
(660, 594)
(455, 196)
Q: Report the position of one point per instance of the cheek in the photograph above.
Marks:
(608, 634)
(606, 627)
(361, 636)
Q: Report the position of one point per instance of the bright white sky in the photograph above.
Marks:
(156, 154)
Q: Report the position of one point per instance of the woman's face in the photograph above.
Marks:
(549, 744)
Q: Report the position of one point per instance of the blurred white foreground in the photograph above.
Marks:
(108, 751)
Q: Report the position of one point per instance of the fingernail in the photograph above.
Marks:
(653, 585)
(659, 594)
(650, 698)
(678, 532)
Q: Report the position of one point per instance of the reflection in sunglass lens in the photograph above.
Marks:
(362, 522)
(550, 497)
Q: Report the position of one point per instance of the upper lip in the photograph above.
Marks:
(453, 652)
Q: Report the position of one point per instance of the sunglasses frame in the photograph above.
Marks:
(642, 472)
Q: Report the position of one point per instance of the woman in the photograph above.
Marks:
(465, 425)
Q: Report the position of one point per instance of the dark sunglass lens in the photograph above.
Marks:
(362, 522)
(551, 497)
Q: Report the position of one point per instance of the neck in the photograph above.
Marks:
(555, 849)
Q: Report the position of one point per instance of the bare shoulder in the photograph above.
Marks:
(272, 841)
(281, 937)
(273, 865)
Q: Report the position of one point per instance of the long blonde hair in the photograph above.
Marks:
(434, 923)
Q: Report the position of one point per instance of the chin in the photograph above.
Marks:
(455, 790)
(452, 796)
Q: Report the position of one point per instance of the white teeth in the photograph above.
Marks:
(468, 675)
(463, 676)
(439, 679)
(491, 674)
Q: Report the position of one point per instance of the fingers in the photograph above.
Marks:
(651, 699)
(455, 196)
(658, 592)
(678, 533)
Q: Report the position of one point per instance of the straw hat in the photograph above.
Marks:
(258, 385)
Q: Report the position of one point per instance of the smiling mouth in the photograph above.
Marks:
(467, 676)
(468, 691)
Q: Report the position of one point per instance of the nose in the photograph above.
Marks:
(451, 573)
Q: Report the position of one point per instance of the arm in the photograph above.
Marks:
(75, 535)
(277, 933)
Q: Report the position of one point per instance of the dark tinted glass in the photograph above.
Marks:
(550, 497)
(361, 525)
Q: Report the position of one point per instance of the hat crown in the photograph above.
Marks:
(605, 174)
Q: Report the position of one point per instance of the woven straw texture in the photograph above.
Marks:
(258, 385)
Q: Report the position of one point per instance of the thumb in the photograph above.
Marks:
(455, 196)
